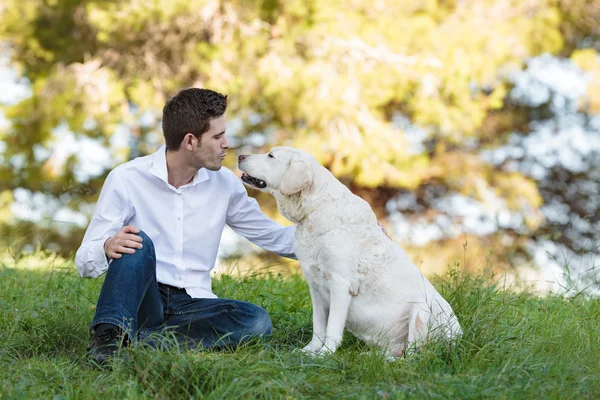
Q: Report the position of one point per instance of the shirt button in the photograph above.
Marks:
(179, 278)
(178, 218)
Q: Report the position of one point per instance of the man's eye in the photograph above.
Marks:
(271, 155)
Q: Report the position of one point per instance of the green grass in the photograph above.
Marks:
(515, 346)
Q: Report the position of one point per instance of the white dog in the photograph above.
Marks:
(359, 279)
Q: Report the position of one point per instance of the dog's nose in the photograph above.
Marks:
(241, 157)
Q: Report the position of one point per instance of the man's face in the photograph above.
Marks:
(212, 146)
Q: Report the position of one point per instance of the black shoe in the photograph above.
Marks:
(106, 341)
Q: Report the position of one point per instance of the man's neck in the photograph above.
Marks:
(179, 172)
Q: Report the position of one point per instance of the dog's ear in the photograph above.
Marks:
(297, 177)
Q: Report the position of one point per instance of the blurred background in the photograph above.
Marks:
(471, 127)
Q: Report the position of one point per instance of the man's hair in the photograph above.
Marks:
(190, 111)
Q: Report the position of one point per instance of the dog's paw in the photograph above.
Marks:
(324, 352)
(312, 348)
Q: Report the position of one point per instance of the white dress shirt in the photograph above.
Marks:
(184, 223)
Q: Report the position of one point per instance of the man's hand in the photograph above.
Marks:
(124, 242)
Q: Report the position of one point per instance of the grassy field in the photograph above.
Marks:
(515, 346)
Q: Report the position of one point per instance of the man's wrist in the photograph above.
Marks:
(104, 248)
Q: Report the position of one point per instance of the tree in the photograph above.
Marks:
(304, 73)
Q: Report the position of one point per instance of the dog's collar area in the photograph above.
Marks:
(252, 181)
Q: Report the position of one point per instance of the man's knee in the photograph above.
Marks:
(259, 323)
(147, 243)
(147, 249)
(142, 258)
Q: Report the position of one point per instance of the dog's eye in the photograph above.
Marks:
(271, 155)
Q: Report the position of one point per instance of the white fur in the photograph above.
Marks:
(359, 279)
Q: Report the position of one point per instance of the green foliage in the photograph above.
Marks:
(327, 81)
(515, 345)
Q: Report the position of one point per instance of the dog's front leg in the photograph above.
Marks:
(320, 313)
(340, 298)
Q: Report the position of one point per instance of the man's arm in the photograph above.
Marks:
(245, 217)
(111, 212)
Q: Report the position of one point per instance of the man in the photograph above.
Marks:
(156, 231)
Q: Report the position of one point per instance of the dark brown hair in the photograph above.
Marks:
(190, 111)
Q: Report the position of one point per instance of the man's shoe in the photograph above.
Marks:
(106, 341)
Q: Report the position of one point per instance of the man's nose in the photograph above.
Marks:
(241, 157)
(225, 144)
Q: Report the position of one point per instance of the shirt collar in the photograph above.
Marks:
(158, 168)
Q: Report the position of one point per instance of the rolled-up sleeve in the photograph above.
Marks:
(111, 213)
(245, 217)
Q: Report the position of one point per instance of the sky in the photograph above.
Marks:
(11, 90)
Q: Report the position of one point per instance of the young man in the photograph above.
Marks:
(156, 231)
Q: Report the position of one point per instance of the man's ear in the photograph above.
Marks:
(189, 141)
(298, 176)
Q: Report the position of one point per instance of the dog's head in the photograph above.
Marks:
(283, 169)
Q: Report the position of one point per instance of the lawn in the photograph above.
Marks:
(515, 346)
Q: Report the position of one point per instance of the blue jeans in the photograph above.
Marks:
(132, 299)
